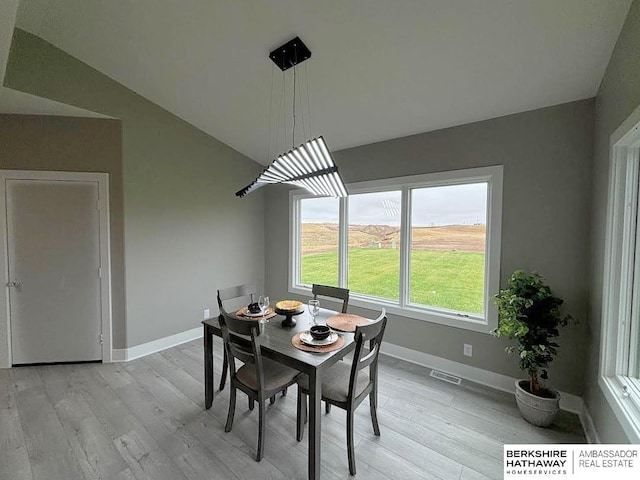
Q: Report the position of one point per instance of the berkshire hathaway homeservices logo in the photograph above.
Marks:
(583, 462)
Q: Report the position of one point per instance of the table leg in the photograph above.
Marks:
(208, 368)
(315, 397)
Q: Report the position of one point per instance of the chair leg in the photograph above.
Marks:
(305, 414)
(302, 403)
(327, 407)
(300, 413)
(261, 430)
(351, 454)
(272, 400)
(232, 409)
(250, 403)
(225, 367)
(373, 406)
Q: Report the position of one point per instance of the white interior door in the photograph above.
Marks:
(53, 247)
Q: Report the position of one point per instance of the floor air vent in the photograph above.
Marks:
(445, 377)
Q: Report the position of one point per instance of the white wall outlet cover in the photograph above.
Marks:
(468, 350)
(206, 313)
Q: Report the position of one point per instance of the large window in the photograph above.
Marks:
(448, 242)
(620, 349)
(319, 241)
(425, 246)
(374, 244)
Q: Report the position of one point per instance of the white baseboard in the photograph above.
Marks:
(131, 353)
(569, 402)
(588, 426)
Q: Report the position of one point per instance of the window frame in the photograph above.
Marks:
(492, 175)
(621, 279)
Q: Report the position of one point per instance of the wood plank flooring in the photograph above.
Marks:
(146, 420)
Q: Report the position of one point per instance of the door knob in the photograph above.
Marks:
(13, 284)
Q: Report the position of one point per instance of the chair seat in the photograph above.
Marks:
(335, 382)
(276, 375)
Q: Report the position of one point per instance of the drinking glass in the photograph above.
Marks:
(263, 303)
(314, 309)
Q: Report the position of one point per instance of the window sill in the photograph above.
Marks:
(432, 316)
(626, 409)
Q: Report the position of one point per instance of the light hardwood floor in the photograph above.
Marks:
(146, 420)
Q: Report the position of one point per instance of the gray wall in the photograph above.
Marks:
(547, 156)
(185, 234)
(72, 144)
(618, 96)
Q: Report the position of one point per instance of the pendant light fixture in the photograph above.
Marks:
(309, 165)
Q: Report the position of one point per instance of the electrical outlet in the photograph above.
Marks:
(468, 350)
(206, 313)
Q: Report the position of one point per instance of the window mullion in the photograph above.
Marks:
(627, 273)
(612, 306)
(633, 368)
(405, 245)
(343, 244)
(294, 244)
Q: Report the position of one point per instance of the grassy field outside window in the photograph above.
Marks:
(452, 280)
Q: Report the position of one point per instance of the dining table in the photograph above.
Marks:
(276, 344)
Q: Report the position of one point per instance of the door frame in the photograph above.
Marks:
(102, 179)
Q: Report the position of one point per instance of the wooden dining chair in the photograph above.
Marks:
(260, 378)
(248, 292)
(331, 292)
(346, 386)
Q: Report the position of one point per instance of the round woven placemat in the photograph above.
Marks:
(300, 345)
(242, 313)
(346, 322)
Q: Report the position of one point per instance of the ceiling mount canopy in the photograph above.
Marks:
(310, 165)
(290, 54)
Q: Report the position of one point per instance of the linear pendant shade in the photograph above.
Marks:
(309, 166)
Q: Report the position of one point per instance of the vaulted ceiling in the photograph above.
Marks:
(380, 69)
(13, 101)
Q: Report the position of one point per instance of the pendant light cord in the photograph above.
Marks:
(270, 116)
(281, 118)
(293, 135)
(306, 74)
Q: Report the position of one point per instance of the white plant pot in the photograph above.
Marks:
(536, 410)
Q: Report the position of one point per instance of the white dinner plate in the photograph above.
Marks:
(255, 315)
(306, 337)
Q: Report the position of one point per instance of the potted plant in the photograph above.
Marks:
(530, 313)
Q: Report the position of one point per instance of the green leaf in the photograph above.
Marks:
(529, 313)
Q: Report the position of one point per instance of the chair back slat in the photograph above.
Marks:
(239, 326)
(373, 333)
(239, 291)
(332, 292)
(368, 358)
(243, 354)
